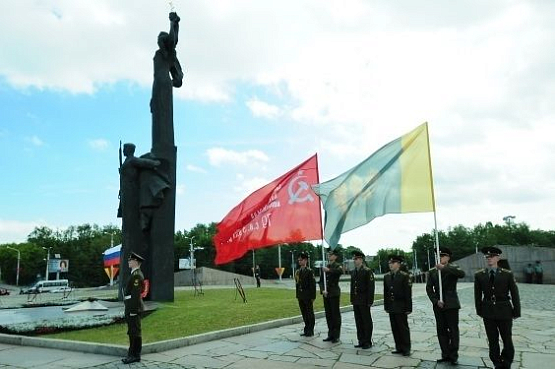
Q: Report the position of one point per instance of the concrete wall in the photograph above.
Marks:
(210, 277)
(518, 257)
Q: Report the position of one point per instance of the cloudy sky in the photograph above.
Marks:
(268, 84)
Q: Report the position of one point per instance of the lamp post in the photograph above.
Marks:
(111, 238)
(18, 259)
(47, 261)
(191, 251)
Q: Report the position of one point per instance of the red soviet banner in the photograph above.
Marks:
(285, 210)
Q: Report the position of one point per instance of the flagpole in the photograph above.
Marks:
(435, 213)
(279, 261)
(321, 230)
(253, 268)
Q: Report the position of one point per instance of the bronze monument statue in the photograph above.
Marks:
(147, 192)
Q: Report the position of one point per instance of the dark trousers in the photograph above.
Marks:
(503, 328)
(529, 277)
(539, 278)
(364, 324)
(134, 333)
(333, 316)
(401, 332)
(307, 311)
(447, 324)
(257, 281)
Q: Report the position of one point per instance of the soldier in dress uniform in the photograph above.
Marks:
(498, 303)
(362, 297)
(446, 310)
(331, 294)
(305, 284)
(398, 303)
(133, 308)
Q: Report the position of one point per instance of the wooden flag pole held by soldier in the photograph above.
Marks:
(435, 219)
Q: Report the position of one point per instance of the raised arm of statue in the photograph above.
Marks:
(174, 29)
(175, 67)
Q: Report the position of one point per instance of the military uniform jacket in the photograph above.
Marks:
(397, 293)
(332, 279)
(305, 284)
(363, 286)
(449, 278)
(132, 294)
(492, 301)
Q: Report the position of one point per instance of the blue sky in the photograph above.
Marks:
(267, 85)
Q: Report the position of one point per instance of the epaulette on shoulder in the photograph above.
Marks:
(506, 270)
(403, 272)
(481, 271)
(454, 265)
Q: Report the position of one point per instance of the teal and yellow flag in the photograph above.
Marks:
(395, 179)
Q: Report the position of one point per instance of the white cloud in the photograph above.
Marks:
(180, 189)
(218, 156)
(262, 109)
(193, 168)
(246, 186)
(99, 144)
(35, 140)
(16, 231)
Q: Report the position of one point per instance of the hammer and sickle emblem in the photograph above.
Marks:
(302, 187)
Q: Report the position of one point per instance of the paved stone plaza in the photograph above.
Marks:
(533, 334)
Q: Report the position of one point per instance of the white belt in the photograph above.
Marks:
(127, 297)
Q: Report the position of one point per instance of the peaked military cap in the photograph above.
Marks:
(491, 251)
(396, 258)
(445, 251)
(333, 252)
(135, 256)
(358, 254)
(303, 255)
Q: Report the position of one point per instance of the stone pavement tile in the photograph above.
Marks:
(390, 361)
(426, 355)
(327, 354)
(160, 356)
(200, 348)
(471, 361)
(265, 364)
(228, 349)
(5, 347)
(358, 359)
(318, 363)
(80, 360)
(340, 365)
(142, 365)
(301, 352)
(286, 358)
(231, 358)
(278, 347)
(254, 354)
(532, 360)
(202, 361)
(252, 339)
(474, 352)
(473, 342)
(29, 357)
(319, 345)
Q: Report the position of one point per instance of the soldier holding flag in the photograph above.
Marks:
(446, 310)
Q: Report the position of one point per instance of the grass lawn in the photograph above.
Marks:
(189, 315)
